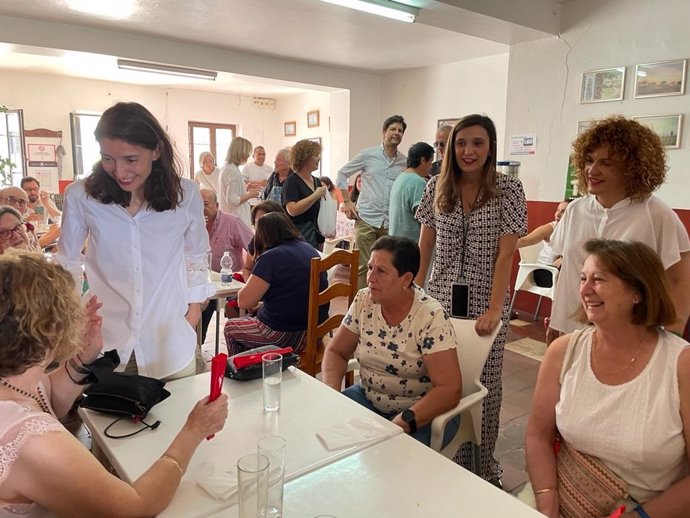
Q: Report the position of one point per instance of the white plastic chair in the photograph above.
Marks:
(329, 245)
(525, 276)
(473, 350)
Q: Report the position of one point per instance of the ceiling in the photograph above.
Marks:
(305, 30)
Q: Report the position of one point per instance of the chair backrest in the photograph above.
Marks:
(473, 350)
(529, 254)
(309, 359)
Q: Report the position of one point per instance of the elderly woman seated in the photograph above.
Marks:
(14, 232)
(43, 465)
(280, 280)
(616, 395)
(404, 342)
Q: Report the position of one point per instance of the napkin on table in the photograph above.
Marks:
(357, 431)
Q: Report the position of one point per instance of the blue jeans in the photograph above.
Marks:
(423, 433)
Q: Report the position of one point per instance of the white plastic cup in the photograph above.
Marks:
(272, 369)
(252, 485)
(273, 448)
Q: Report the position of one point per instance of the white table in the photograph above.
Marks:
(222, 292)
(307, 406)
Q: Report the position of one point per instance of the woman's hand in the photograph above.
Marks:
(254, 193)
(92, 340)
(487, 322)
(320, 191)
(208, 418)
(547, 503)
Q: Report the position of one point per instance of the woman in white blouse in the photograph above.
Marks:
(208, 176)
(147, 252)
(233, 195)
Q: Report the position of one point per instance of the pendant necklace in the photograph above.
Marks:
(41, 400)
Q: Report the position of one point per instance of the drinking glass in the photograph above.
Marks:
(273, 448)
(252, 485)
(272, 368)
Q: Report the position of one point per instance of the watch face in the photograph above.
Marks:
(407, 415)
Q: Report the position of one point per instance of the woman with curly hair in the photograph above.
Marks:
(147, 252)
(619, 164)
(302, 191)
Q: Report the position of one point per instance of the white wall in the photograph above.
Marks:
(47, 101)
(424, 95)
(544, 84)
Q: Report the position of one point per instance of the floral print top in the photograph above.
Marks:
(392, 370)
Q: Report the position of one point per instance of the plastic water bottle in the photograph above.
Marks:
(226, 269)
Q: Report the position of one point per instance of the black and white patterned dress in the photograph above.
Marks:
(502, 215)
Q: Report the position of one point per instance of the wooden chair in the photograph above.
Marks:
(310, 360)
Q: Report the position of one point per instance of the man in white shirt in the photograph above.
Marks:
(380, 166)
(256, 173)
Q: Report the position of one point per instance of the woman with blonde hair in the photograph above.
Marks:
(233, 195)
(474, 216)
(207, 177)
(46, 471)
(619, 164)
(302, 191)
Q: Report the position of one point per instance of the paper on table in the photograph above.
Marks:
(360, 430)
(223, 486)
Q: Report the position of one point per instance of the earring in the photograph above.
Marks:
(636, 300)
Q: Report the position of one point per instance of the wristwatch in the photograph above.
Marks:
(409, 417)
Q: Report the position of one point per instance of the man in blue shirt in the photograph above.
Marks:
(380, 166)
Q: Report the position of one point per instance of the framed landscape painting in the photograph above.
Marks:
(660, 79)
(668, 127)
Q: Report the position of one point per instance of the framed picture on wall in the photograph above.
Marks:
(290, 128)
(318, 141)
(582, 126)
(660, 79)
(313, 119)
(668, 127)
(447, 122)
(602, 85)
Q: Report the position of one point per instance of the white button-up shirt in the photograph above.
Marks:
(145, 269)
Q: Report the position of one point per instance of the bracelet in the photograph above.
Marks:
(174, 461)
(81, 369)
(545, 490)
(640, 510)
(82, 382)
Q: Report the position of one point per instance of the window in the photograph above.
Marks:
(85, 150)
(12, 145)
(204, 136)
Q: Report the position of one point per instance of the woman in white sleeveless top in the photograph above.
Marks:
(619, 390)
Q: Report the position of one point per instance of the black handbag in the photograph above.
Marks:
(123, 395)
(254, 371)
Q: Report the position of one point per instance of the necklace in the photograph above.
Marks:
(632, 360)
(41, 400)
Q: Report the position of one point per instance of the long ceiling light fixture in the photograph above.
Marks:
(387, 8)
(171, 70)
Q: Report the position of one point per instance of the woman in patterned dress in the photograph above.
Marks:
(474, 216)
(404, 342)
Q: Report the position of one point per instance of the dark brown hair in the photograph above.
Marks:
(137, 126)
(640, 268)
(638, 146)
(266, 206)
(274, 229)
(447, 186)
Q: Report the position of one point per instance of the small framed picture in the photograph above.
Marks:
(583, 126)
(313, 120)
(660, 79)
(602, 85)
(447, 122)
(668, 127)
(290, 128)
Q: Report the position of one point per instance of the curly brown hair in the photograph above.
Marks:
(638, 146)
(303, 151)
(40, 312)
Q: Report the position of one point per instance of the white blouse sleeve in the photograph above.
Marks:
(73, 233)
(196, 248)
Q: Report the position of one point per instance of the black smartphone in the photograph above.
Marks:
(460, 300)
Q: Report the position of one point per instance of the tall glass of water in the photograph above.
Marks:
(273, 448)
(272, 364)
(252, 485)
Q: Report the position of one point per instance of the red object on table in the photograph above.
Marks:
(618, 512)
(243, 361)
(217, 373)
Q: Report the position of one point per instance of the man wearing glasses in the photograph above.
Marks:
(442, 135)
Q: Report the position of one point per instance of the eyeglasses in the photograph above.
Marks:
(20, 230)
(11, 200)
(440, 145)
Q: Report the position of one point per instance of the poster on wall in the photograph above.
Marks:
(42, 154)
(523, 144)
(571, 187)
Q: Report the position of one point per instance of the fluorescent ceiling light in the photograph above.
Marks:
(387, 8)
(170, 70)
(120, 10)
